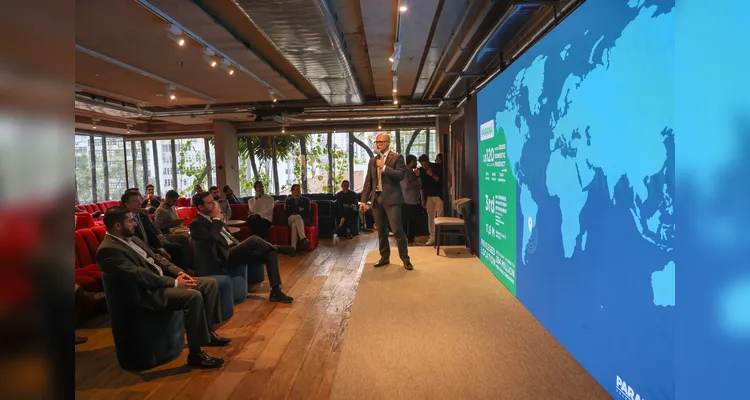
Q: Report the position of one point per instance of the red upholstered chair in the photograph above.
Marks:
(99, 231)
(279, 234)
(183, 202)
(187, 212)
(84, 220)
(87, 273)
(240, 211)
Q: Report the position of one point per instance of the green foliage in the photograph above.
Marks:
(192, 164)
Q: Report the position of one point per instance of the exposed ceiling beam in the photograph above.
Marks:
(137, 70)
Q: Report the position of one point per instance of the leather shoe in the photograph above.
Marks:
(218, 341)
(408, 265)
(288, 250)
(305, 242)
(81, 340)
(203, 360)
(277, 296)
(382, 263)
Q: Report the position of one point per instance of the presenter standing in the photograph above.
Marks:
(383, 188)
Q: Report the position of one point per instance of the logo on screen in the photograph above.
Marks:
(626, 391)
(487, 130)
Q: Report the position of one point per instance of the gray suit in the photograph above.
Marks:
(386, 204)
(157, 292)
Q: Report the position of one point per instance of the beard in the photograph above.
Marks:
(128, 233)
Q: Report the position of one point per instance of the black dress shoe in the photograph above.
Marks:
(277, 296)
(81, 340)
(305, 242)
(288, 250)
(218, 341)
(382, 263)
(203, 360)
(408, 265)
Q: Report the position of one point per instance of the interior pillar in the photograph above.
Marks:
(227, 155)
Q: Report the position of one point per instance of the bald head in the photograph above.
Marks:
(383, 142)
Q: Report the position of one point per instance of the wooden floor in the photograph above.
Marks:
(278, 351)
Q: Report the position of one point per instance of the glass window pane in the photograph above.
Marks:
(191, 165)
(362, 157)
(83, 170)
(433, 144)
(340, 150)
(317, 163)
(164, 155)
(149, 162)
(116, 167)
(288, 163)
(255, 163)
(101, 183)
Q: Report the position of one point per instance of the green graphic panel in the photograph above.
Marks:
(497, 210)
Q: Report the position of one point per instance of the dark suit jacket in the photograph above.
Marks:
(123, 262)
(211, 249)
(152, 235)
(292, 208)
(232, 199)
(393, 174)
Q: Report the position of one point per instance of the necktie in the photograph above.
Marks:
(380, 174)
(139, 222)
(228, 235)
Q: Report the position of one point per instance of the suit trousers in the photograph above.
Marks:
(386, 215)
(259, 225)
(297, 228)
(202, 307)
(349, 221)
(178, 247)
(411, 214)
(254, 249)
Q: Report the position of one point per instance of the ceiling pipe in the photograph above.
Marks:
(512, 9)
(361, 118)
(462, 46)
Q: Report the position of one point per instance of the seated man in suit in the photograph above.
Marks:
(348, 210)
(229, 195)
(173, 247)
(215, 246)
(298, 215)
(162, 285)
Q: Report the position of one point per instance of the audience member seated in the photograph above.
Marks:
(162, 285)
(260, 214)
(411, 185)
(226, 211)
(298, 215)
(94, 214)
(166, 218)
(214, 244)
(173, 247)
(348, 211)
(229, 195)
(196, 189)
(151, 202)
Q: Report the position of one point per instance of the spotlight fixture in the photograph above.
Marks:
(283, 130)
(127, 129)
(403, 6)
(227, 66)
(380, 126)
(93, 123)
(395, 100)
(395, 83)
(171, 92)
(208, 55)
(272, 95)
(175, 33)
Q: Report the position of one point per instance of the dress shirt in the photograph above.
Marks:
(383, 157)
(231, 241)
(262, 206)
(128, 242)
(411, 186)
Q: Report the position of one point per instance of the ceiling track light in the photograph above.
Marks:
(93, 122)
(395, 83)
(175, 33)
(209, 55)
(403, 7)
(171, 93)
(272, 95)
(127, 128)
(283, 130)
(227, 66)
(395, 100)
(396, 52)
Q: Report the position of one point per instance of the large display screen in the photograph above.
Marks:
(576, 169)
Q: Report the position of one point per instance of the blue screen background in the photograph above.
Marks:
(589, 118)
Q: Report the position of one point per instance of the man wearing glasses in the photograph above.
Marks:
(383, 188)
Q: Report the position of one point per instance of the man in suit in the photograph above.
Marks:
(173, 247)
(383, 188)
(162, 285)
(216, 248)
(298, 215)
(229, 195)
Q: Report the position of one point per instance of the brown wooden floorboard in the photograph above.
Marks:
(278, 351)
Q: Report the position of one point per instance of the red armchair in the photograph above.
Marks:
(183, 202)
(84, 220)
(279, 233)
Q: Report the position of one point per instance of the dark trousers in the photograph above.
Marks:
(386, 215)
(255, 249)
(178, 247)
(350, 219)
(411, 214)
(259, 225)
(202, 307)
